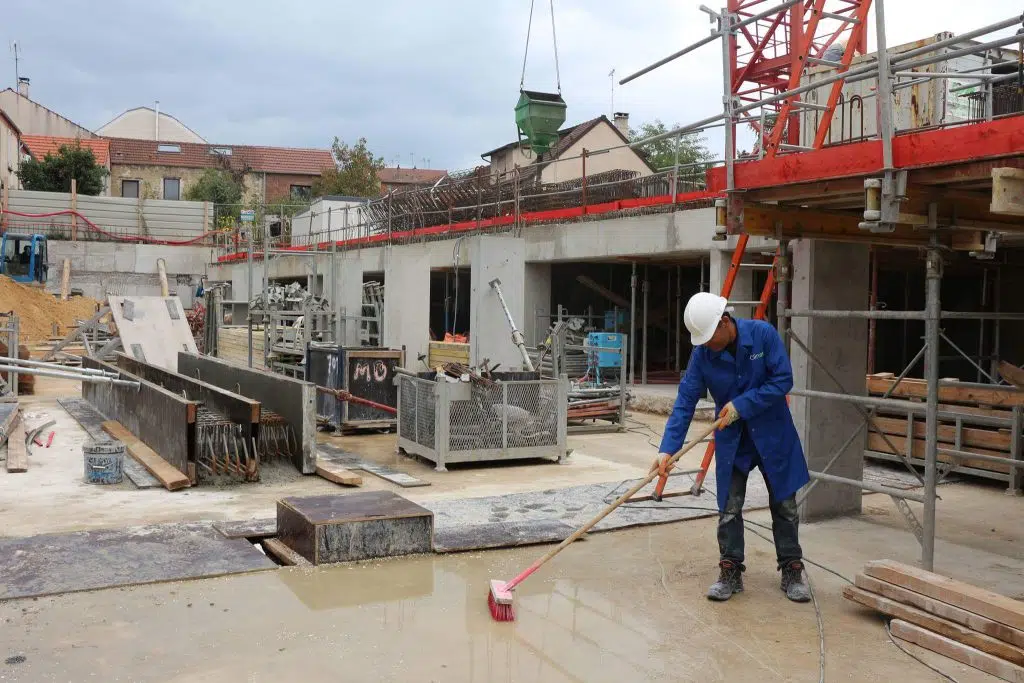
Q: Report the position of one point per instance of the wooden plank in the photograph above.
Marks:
(924, 619)
(937, 607)
(17, 450)
(10, 412)
(1008, 191)
(963, 595)
(1012, 373)
(877, 443)
(338, 474)
(284, 554)
(949, 393)
(971, 436)
(964, 654)
(65, 280)
(167, 474)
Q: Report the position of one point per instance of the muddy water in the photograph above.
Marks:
(622, 607)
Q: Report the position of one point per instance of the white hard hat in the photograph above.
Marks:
(703, 312)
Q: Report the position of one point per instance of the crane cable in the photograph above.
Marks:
(554, 40)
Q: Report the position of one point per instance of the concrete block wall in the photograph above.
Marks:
(102, 268)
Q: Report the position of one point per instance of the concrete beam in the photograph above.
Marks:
(834, 276)
(292, 399)
(1008, 191)
(161, 419)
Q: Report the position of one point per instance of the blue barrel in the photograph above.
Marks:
(104, 462)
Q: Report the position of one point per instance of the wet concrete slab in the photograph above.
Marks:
(87, 560)
(624, 606)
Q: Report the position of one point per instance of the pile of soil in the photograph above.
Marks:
(37, 310)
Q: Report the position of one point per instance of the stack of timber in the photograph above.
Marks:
(971, 625)
(981, 419)
(439, 353)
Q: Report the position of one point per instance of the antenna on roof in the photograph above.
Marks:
(15, 49)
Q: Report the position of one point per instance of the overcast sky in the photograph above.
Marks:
(420, 80)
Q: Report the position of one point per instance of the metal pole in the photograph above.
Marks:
(18, 370)
(981, 323)
(335, 299)
(933, 308)
(643, 362)
(668, 307)
(41, 364)
(782, 278)
(868, 486)
(873, 305)
(632, 325)
(679, 314)
(251, 298)
(675, 171)
(730, 130)
(885, 129)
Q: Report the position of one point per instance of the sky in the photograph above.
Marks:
(430, 84)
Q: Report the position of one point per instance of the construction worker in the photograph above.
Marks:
(744, 365)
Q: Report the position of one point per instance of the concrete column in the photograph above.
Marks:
(537, 300)
(742, 289)
(407, 301)
(833, 276)
(489, 334)
(347, 298)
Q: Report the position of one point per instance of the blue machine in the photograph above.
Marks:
(601, 360)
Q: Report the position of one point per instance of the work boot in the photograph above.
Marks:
(793, 584)
(730, 581)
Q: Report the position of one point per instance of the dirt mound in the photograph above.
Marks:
(37, 310)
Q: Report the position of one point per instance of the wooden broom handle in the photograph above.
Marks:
(717, 424)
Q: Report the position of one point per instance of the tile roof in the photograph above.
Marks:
(567, 137)
(41, 145)
(409, 176)
(284, 160)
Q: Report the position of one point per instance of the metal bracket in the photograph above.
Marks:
(908, 514)
(882, 201)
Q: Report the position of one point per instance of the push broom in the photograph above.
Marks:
(499, 600)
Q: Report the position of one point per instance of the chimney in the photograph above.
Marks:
(621, 120)
(23, 83)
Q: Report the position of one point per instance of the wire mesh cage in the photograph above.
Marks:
(470, 422)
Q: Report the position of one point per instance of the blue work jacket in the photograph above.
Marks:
(756, 382)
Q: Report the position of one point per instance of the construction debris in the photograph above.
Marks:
(974, 626)
(17, 450)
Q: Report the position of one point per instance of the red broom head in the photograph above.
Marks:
(500, 611)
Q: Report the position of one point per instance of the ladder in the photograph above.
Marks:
(760, 312)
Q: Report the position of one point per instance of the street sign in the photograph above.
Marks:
(248, 215)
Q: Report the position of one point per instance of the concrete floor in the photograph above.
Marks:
(622, 606)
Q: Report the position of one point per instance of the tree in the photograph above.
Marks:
(355, 174)
(55, 172)
(661, 154)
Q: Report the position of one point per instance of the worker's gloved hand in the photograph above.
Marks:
(729, 414)
(660, 464)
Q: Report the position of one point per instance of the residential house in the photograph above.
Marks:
(11, 149)
(564, 160)
(394, 179)
(145, 123)
(165, 170)
(33, 118)
(38, 146)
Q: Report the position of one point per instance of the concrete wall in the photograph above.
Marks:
(141, 124)
(10, 157)
(102, 268)
(407, 301)
(35, 119)
(830, 276)
(172, 220)
(490, 337)
(151, 185)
